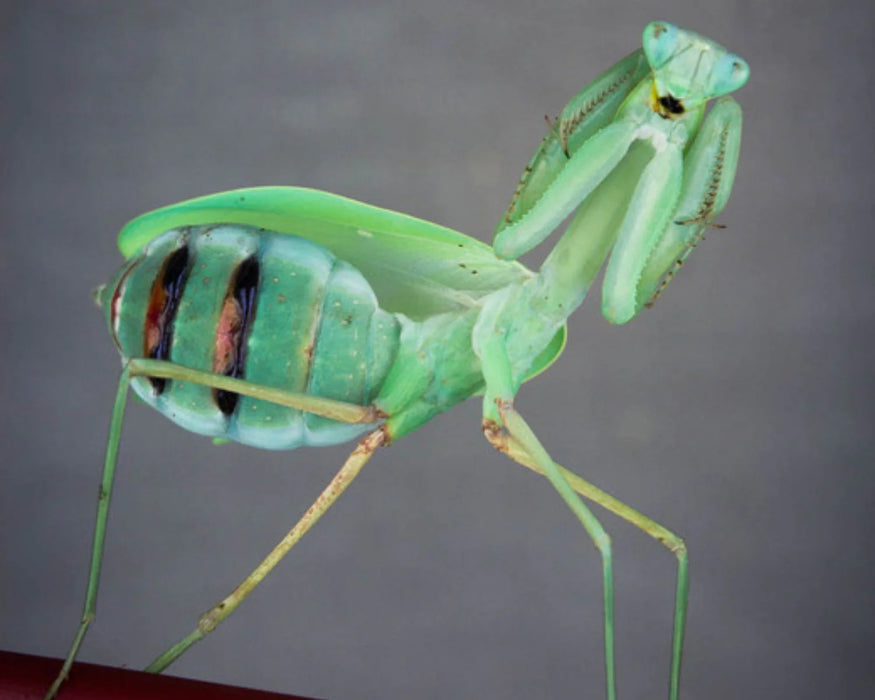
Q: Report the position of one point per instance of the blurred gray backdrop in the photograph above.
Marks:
(738, 412)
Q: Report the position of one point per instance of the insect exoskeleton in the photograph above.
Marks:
(243, 302)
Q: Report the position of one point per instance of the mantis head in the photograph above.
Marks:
(688, 69)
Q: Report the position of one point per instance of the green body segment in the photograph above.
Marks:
(284, 325)
(214, 255)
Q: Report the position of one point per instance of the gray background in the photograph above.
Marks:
(738, 412)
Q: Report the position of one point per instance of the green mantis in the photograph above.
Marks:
(281, 316)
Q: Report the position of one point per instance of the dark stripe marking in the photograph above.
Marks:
(671, 105)
(161, 311)
(232, 333)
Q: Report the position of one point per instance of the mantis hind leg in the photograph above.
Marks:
(508, 444)
(337, 410)
(89, 609)
(211, 619)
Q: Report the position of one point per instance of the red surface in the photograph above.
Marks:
(24, 677)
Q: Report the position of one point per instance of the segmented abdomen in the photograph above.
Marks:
(270, 308)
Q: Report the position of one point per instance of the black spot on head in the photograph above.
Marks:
(671, 105)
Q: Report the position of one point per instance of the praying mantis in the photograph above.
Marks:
(282, 316)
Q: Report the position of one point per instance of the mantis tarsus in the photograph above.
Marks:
(283, 316)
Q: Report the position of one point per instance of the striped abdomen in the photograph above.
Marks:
(270, 308)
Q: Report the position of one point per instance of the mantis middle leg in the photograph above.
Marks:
(211, 619)
(528, 441)
(498, 407)
(508, 444)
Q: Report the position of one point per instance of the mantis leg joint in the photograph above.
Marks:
(602, 541)
(210, 619)
(496, 435)
(677, 545)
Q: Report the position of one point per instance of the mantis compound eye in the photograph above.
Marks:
(732, 72)
(660, 42)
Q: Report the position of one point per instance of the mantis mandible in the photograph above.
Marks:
(282, 316)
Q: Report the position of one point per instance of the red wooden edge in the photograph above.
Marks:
(25, 677)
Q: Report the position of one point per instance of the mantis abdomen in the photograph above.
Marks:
(247, 303)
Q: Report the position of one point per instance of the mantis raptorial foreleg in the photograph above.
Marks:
(709, 172)
(655, 158)
(579, 176)
(337, 410)
(676, 197)
(210, 620)
(649, 213)
(590, 110)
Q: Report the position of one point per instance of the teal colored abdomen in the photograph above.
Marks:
(270, 308)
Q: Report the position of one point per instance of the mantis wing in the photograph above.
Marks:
(415, 267)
